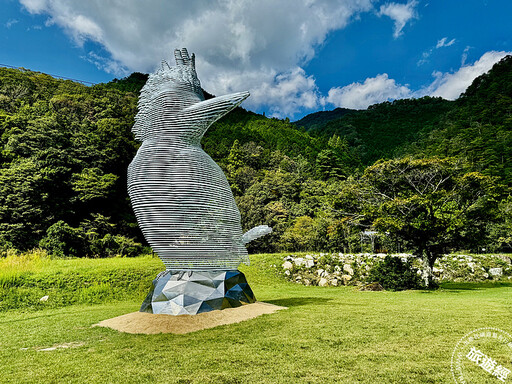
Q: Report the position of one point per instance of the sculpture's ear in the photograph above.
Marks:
(211, 110)
(182, 58)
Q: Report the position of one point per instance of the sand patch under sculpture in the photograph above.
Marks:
(148, 323)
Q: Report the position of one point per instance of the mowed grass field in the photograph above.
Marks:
(327, 335)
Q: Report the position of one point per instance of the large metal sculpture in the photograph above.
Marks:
(181, 198)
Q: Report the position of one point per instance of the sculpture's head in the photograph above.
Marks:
(168, 91)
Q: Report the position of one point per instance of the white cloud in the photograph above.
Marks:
(10, 23)
(361, 95)
(288, 93)
(400, 14)
(443, 43)
(240, 45)
(35, 6)
(424, 57)
(440, 43)
(448, 85)
(464, 56)
(105, 64)
(284, 93)
(451, 85)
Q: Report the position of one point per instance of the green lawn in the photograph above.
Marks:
(328, 335)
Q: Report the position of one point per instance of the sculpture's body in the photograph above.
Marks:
(181, 198)
(185, 207)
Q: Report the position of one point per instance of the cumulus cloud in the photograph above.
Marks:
(287, 93)
(400, 14)
(240, 45)
(372, 91)
(450, 85)
(244, 45)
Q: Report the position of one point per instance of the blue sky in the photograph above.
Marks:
(294, 56)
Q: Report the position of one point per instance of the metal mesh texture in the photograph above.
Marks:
(181, 198)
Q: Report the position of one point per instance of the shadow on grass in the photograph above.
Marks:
(298, 301)
(475, 286)
(35, 314)
(29, 317)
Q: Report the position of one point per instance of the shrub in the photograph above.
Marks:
(6, 248)
(93, 238)
(63, 240)
(394, 274)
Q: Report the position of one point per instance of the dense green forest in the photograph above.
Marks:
(383, 129)
(430, 175)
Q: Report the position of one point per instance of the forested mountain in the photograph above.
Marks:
(479, 128)
(380, 130)
(132, 83)
(476, 126)
(65, 148)
(318, 119)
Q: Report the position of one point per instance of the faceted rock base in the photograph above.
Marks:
(193, 292)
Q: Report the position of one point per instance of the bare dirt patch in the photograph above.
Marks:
(147, 323)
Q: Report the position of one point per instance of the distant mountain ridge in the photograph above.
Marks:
(317, 119)
(479, 128)
(469, 126)
(382, 129)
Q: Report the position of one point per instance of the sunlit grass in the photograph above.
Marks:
(327, 335)
(26, 278)
(29, 261)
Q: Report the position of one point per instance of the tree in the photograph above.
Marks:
(91, 183)
(329, 165)
(300, 235)
(430, 204)
(335, 161)
(63, 240)
(64, 150)
(239, 174)
(501, 231)
(22, 212)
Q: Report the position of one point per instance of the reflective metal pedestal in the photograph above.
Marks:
(193, 292)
